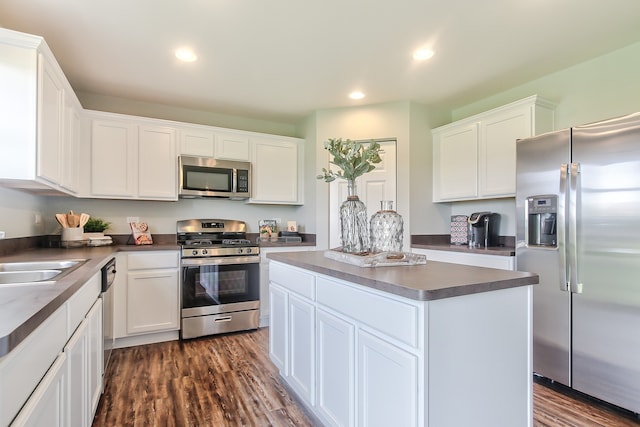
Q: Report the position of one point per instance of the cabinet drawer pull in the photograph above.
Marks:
(222, 319)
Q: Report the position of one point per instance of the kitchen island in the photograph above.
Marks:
(422, 345)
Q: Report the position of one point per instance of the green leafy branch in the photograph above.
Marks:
(352, 157)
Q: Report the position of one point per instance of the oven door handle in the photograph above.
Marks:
(227, 260)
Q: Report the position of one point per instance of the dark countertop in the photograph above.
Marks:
(24, 308)
(442, 242)
(431, 281)
(492, 250)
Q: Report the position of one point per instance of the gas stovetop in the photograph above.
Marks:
(214, 237)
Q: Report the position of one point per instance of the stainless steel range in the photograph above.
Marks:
(220, 277)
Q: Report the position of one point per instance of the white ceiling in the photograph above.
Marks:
(282, 59)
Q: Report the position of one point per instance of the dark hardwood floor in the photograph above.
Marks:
(228, 380)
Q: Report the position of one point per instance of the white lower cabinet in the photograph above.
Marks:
(46, 406)
(478, 260)
(383, 360)
(265, 305)
(279, 327)
(84, 368)
(335, 349)
(387, 383)
(147, 297)
(54, 377)
(301, 347)
(160, 287)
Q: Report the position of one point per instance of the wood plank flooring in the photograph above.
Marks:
(228, 380)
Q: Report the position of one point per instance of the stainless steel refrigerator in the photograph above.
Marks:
(578, 227)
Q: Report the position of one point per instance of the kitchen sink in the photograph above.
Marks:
(18, 277)
(36, 272)
(40, 265)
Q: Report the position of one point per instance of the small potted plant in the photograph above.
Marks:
(95, 227)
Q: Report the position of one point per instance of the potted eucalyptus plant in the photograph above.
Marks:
(354, 158)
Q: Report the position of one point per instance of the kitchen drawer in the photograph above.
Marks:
(392, 317)
(293, 279)
(151, 260)
(80, 303)
(22, 369)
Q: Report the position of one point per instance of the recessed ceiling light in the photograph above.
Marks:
(422, 54)
(356, 95)
(186, 55)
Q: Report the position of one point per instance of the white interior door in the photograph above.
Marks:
(377, 185)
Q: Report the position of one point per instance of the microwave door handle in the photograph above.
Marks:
(234, 181)
(562, 224)
(574, 281)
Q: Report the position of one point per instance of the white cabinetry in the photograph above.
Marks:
(381, 359)
(33, 135)
(114, 159)
(336, 369)
(54, 377)
(475, 158)
(277, 169)
(157, 165)
(131, 159)
(502, 262)
(46, 406)
(84, 368)
(196, 142)
(265, 306)
(387, 378)
(50, 121)
(232, 146)
(147, 297)
(293, 323)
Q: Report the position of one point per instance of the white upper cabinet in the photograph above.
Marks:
(277, 170)
(456, 169)
(132, 158)
(232, 146)
(475, 158)
(196, 142)
(33, 117)
(114, 159)
(70, 163)
(157, 169)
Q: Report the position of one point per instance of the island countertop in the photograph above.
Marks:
(430, 281)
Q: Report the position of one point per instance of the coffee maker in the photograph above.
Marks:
(483, 229)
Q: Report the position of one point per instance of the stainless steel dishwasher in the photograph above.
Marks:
(108, 276)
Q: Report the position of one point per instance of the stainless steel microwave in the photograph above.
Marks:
(209, 177)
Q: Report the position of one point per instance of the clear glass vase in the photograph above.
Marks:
(354, 223)
(387, 227)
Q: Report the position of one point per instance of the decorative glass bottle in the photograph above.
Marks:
(386, 229)
(354, 224)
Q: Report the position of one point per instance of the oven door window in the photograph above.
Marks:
(206, 285)
(207, 178)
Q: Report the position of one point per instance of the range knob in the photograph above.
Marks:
(204, 252)
(240, 250)
(194, 252)
(248, 250)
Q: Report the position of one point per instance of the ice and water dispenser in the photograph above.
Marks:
(541, 220)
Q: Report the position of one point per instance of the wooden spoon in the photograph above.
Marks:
(83, 219)
(62, 220)
(71, 220)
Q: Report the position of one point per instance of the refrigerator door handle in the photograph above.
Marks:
(574, 280)
(562, 226)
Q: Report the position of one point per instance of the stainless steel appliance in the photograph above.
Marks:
(108, 276)
(209, 177)
(578, 210)
(484, 229)
(220, 277)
